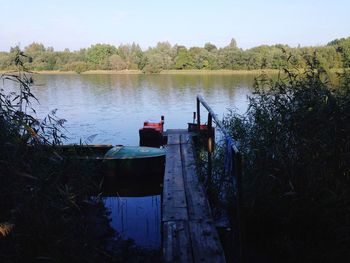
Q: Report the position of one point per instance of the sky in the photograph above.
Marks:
(76, 24)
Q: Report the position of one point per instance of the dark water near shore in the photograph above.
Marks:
(110, 109)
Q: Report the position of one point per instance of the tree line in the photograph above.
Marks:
(165, 56)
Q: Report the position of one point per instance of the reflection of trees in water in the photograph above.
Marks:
(115, 106)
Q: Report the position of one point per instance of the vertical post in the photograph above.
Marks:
(210, 148)
(209, 133)
(194, 117)
(198, 116)
(162, 121)
(238, 165)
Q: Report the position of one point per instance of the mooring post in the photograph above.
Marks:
(198, 116)
(162, 120)
(210, 147)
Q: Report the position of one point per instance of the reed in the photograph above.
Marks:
(50, 209)
(295, 139)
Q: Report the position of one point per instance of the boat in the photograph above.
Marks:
(134, 161)
(121, 170)
(84, 151)
(120, 161)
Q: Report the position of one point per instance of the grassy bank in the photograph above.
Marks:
(218, 72)
(89, 72)
(169, 72)
(165, 72)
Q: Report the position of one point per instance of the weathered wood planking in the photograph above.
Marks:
(176, 242)
(176, 237)
(206, 246)
(174, 198)
(189, 234)
(197, 202)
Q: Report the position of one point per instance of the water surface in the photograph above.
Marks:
(111, 109)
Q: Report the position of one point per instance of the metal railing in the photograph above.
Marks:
(236, 162)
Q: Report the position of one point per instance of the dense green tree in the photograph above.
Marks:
(132, 55)
(159, 58)
(183, 59)
(210, 47)
(233, 43)
(343, 48)
(199, 57)
(98, 55)
(117, 63)
(165, 56)
(34, 48)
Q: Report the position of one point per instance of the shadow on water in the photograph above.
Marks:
(135, 209)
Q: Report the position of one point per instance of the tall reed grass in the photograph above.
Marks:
(295, 139)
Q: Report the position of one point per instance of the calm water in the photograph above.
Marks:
(137, 218)
(111, 109)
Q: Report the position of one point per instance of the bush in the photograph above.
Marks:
(44, 200)
(295, 139)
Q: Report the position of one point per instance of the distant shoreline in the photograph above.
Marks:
(163, 72)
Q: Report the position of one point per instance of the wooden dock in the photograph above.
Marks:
(189, 234)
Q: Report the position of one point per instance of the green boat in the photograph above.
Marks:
(133, 152)
(120, 161)
(134, 161)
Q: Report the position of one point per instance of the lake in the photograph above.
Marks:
(110, 109)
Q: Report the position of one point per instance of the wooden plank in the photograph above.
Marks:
(189, 234)
(176, 242)
(206, 246)
(197, 202)
(173, 138)
(175, 131)
(174, 197)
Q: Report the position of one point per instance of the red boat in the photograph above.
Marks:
(151, 134)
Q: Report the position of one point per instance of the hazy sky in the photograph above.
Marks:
(79, 23)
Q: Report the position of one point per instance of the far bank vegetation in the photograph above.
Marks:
(165, 57)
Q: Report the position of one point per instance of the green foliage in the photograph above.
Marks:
(45, 200)
(98, 55)
(164, 56)
(210, 47)
(183, 59)
(159, 58)
(295, 139)
(342, 46)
